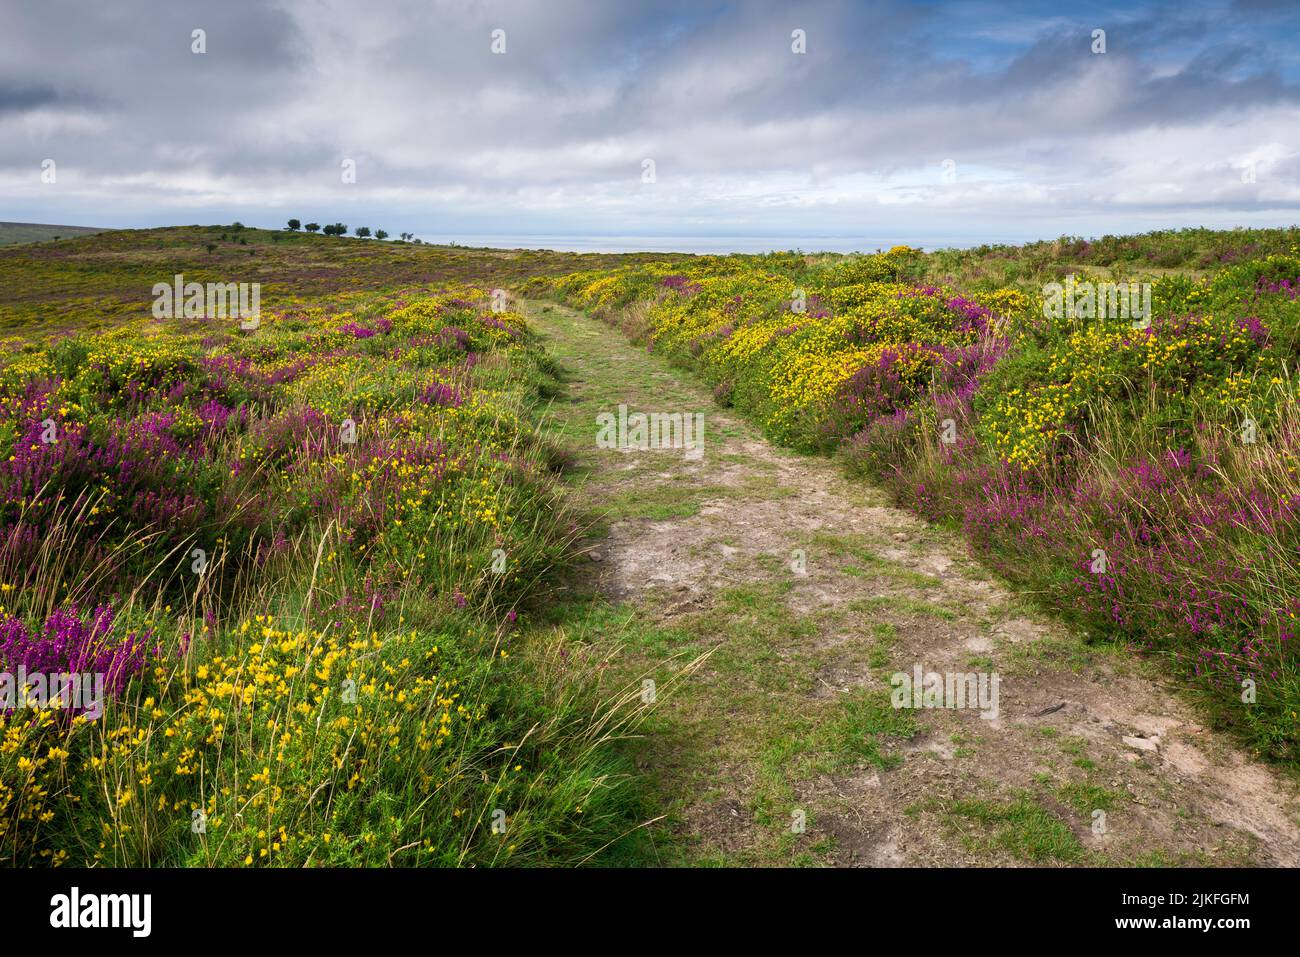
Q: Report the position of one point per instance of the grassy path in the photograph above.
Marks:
(809, 590)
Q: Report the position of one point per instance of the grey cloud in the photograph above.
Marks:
(561, 123)
(20, 97)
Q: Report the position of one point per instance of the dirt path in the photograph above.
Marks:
(785, 749)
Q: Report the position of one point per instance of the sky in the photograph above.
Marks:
(686, 125)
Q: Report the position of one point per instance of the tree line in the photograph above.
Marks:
(341, 229)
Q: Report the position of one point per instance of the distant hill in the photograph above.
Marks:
(105, 280)
(39, 232)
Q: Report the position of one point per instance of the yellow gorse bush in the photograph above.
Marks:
(792, 343)
(1207, 360)
(266, 733)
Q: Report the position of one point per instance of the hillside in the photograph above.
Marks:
(107, 279)
(41, 232)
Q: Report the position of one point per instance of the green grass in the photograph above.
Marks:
(11, 233)
(1086, 798)
(1020, 827)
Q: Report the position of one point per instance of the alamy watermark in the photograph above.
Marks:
(930, 689)
(651, 431)
(1101, 300)
(82, 692)
(215, 300)
(75, 909)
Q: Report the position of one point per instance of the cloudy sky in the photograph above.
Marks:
(929, 122)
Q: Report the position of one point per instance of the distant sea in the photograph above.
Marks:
(708, 244)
